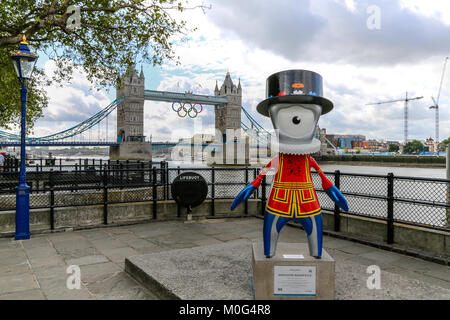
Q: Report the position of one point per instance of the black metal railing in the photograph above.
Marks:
(416, 201)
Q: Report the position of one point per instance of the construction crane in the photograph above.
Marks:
(405, 115)
(436, 102)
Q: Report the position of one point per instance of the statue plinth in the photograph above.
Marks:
(292, 274)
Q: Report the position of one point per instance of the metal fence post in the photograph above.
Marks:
(390, 212)
(447, 165)
(52, 200)
(213, 190)
(337, 210)
(178, 206)
(105, 196)
(263, 195)
(246, 182)
(155, 194)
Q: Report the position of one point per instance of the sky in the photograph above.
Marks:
(366, 51)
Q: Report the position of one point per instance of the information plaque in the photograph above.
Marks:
(294, 280)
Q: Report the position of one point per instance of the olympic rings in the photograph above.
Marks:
(184, 109)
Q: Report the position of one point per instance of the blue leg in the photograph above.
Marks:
(271, 230)
(313, 228)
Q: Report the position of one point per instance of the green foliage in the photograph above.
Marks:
(393, 148)
(10, 105)
(414, 146)
(112, 34)
(445, 143)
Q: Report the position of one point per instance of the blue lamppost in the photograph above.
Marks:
(24, 62)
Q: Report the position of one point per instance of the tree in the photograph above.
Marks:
(445, 143)
(103, 37)
(414, 146)
(393, 148)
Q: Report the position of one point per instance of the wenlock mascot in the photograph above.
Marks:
(294, 104)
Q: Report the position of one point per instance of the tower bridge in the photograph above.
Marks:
(129, 141)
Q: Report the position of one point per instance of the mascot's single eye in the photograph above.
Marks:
(296, 120)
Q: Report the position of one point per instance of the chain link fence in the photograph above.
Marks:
(411, 200)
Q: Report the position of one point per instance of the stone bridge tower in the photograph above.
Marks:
(228, 116)
(130, 113)
(235, 148)
(130, 119)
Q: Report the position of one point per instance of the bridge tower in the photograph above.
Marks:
(228, 116)
(228, 121)
(130, 118)
(130, 113)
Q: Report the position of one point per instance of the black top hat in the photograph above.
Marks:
(297, 86)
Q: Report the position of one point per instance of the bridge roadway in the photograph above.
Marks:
(183, 97)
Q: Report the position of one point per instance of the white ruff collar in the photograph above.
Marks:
(312, 147)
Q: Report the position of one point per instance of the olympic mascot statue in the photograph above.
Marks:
(294, 104)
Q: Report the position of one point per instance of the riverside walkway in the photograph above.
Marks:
(36, 268)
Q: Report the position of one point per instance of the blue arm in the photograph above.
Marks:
(337, 197)
(243, 195)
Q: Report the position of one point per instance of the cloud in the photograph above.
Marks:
(334, 31)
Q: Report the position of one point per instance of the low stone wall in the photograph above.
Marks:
(412, 237)
(121, 213)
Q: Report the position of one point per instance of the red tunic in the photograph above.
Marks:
(293, 193)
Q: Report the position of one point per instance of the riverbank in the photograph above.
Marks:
(384, 164)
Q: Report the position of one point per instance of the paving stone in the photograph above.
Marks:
(440, 272)
(64, 236)
(116, 283)
(207, 242)
(55, 283)
(356, 248)
(150, 249)
(87, 260)
(414, 264)
(125, 237)
(98, 272)
(46, 261)
(35, 294)
(138, 243)
(95, 234)
(135, 293)
(18, 282)
(39, 241)
(79, 253)
(7, 244)
(41, 252)
(380, 256)
(108, 244)
(424, 278)
(72, 244)
(226, 236)
(66, 294)
(8, 270)
(12, 257)
(336, 244)
(119, 254)
(50, 272)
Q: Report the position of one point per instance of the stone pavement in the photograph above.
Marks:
(37, 268)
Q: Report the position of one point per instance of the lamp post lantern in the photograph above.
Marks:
(24, 62)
